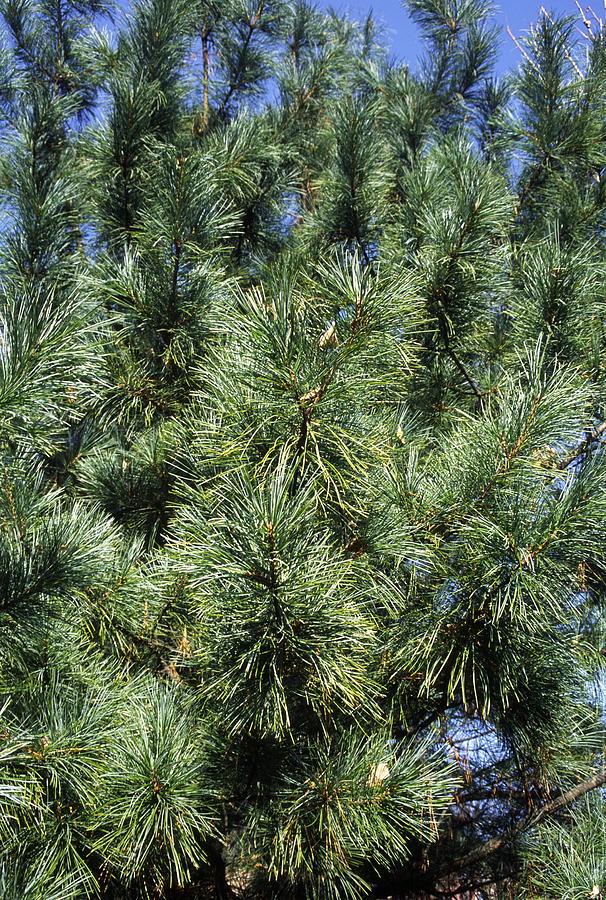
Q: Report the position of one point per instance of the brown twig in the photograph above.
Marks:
(584, 446)
(529, 821)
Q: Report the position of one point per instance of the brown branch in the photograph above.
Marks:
(462, 369)
(443, 328)
(236, 82)
(529, 821)
(530, 184)
(156, 648)
(205, 76)
(584, 446)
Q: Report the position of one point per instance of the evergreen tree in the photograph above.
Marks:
(302, 488)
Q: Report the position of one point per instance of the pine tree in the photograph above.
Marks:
(302, 486)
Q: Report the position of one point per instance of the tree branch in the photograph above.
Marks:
(584, 446)
(464, 372)
(529, 821)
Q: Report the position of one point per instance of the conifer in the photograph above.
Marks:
(302, 482)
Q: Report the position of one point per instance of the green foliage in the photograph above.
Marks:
(154, 811)
(567, 858)
(285, 643)
(302, 488)
(344, 804)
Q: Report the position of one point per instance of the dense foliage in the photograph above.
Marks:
(302, 503)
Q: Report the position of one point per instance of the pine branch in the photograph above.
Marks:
(156, 648)
(236, 81)
(583, 447)
(533, 818)
(462, 369)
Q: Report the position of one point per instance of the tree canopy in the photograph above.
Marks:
(302, 490)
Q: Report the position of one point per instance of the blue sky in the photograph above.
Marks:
(402, 34)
